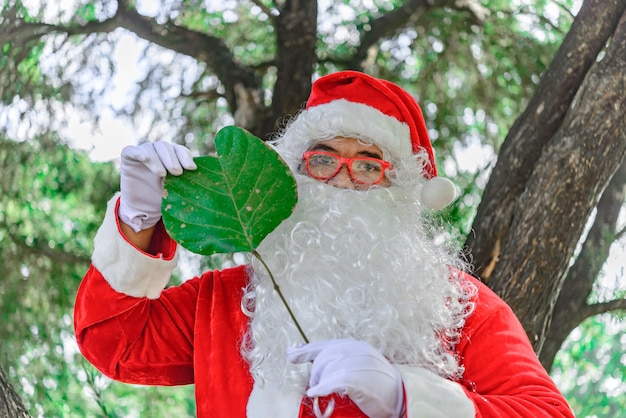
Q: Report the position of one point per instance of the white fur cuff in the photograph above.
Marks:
(431, 396)
(271, 401)
(127, 269)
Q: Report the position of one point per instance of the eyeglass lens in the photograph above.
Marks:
(363, 170)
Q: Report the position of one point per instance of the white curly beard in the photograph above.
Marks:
(357, 265)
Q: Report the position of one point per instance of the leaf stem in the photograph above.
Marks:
(280, 294)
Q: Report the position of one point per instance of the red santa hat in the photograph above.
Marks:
(381, 112)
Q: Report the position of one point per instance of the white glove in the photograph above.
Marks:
(143, 169)
(354, 368)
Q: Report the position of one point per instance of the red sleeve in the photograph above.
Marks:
(503, 376)
(137, 340)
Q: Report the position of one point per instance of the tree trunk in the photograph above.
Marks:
(296, 33)
(571, 306)
(554, 164)
(11, 405)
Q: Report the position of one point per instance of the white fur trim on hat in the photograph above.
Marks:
(431, 396)
(343, 118)
(126, 268)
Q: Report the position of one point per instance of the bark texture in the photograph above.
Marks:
(296, 32)
(554, 165)
(11, 405)
(571, 307)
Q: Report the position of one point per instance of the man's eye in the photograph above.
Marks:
(367, 166)
(322, 160)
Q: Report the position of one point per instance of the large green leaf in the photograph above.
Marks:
(232, 201)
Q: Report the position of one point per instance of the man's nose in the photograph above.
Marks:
(342, 179)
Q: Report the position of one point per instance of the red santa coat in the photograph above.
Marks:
(133, 332)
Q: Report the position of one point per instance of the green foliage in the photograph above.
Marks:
(471, 77)
(590, 369)
(50, 205)
(86, 12)
(119, 400)
(232, 201)
(241, 25)
(20, 53)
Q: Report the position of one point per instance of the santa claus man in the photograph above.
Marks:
(396, 328)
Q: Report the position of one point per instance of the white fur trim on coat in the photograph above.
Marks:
(429, 395)
(269, 401)
(126, 268)
(349, 119)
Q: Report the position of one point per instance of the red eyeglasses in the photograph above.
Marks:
(325, 165)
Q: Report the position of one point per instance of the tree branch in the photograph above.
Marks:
(296, 37)
(565, 9)
(265, 9)
(596, 248)
(523, 146)
(565, 182)
(410, 11)
(203, 47)
(11, 405)
(571, 308)
(604, 307)
(620, 234)
(43, 250)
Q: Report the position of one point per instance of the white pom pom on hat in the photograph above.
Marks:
(382, 112)
(438, 192)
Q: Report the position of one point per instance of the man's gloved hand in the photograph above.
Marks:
(354, 368)
(143, 169)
